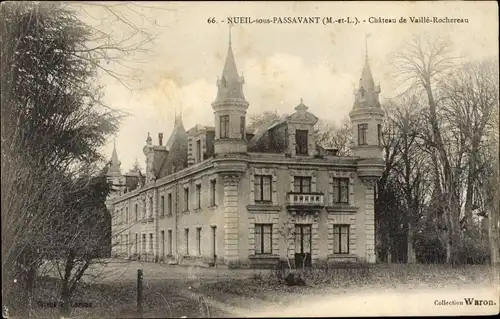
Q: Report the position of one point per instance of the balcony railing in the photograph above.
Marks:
(305, 199)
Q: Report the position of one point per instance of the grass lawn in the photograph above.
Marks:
(263, 289)
(226, 297)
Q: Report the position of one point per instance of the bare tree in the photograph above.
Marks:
(421, 65)
(332, 136)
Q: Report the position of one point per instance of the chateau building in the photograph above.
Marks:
(222, 195)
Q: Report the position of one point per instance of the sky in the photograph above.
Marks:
(281, 63)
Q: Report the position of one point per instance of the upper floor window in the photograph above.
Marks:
(151, 207)
(169, 203)
(213, 184)
(143, 208)
(263, 188)
(186, 199)
(136, 212)
(301, 142)
(302, 184)
(224, 126)
(162, 205)
(126, 215)
(341, 190)
(198, 196)
(242, 127)
(198, 151)
(362, 132)
(286, 136)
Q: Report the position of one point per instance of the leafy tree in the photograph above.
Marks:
(53, 123)
(79, 230)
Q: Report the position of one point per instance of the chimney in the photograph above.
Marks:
(160, 138)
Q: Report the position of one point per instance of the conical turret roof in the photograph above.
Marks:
(114, 163)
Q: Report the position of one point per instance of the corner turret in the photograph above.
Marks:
(230, 108)
(367, 117)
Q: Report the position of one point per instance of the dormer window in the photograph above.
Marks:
(362, 132)
(198, 151)
(301, 142)
(224, 126)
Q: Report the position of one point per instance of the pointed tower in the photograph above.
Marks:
(230, 109)
(177, 146)
(114, 174)
(367, 115)
(366, 118)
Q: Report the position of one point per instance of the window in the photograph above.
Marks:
(136, 212)
(263, 239)
(170, 244)
(143, 243)
(143, 208)
(362, 131)
(198, 196)
(301, 142)
(163, 243)
(213, 184)
(126, 245)
(151, 243)
(198, 151)
(162, 205)
(341, 190)
(186, 199)
(286, 137)
(126, 215)
(340, 239)
(302, 184)
(151, 207)
(169, 203)
(224, 126)
(136, 244)
(186, 240)
(263, 189)
(379, 134)
(242, 127)
(198, 240)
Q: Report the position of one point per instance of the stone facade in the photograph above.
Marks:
(218, 195)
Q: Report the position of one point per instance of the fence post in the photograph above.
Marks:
(139, 292)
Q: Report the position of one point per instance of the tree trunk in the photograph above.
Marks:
(66, 300)
(493, 231)
(30, 285)
(410, 255)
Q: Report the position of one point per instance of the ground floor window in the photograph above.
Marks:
(151, 243)
(186, 240)
(170, 245)
(263, 238)
(198, 240)
(143, 243)
(340, 239)
(136, 243)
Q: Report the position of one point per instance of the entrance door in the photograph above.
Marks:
(303, 239)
